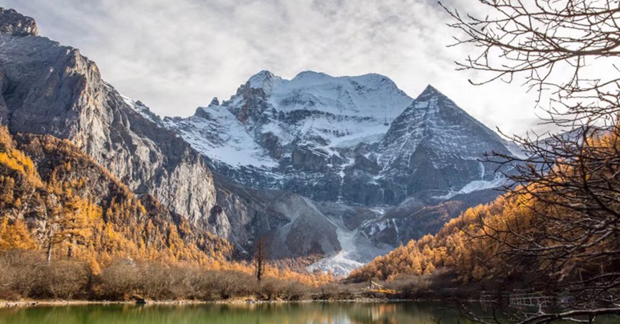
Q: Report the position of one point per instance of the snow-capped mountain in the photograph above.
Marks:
(333, 171)
(434, 146)
(356, 140)
(379, 166)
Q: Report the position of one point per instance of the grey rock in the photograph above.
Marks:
(53, 89)
(16, 24)
(434, 147)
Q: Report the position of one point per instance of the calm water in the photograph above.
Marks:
(306, 313)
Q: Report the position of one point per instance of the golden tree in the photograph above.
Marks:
(15, 236)
(68, 221)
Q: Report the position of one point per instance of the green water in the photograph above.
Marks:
(306, 313)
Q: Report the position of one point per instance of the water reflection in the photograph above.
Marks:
(303, 313)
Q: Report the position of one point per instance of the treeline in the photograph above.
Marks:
(76, 219)
(26, 275)
(459, 247)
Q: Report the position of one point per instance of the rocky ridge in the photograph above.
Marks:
(16, 24)
(354, 140)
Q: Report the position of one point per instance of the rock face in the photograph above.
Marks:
(434, 148)
(52, 89)
(16, 24)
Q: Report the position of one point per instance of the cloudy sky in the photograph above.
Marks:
(178, 55)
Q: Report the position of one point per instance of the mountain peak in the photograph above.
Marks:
(311, 75)
(263, 80)
(260, 77)
(16, 24)
(431, 91)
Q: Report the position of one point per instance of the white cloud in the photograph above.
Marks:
(177, 55)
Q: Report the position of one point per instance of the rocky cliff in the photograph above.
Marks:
(16, 24)
(51, 89)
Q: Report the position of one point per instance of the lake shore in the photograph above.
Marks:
(36, 303)
(236, 301)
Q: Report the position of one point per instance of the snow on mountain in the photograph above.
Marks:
(436, 147)
(346, 141)
(313, 108)
(322, 110)
(370, 95)
(227, 141)
(477, 185)
(357, 140)
(357, 248)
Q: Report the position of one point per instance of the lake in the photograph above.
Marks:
(306, 313)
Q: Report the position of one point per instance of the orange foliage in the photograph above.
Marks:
(459, 246)
(77, 209)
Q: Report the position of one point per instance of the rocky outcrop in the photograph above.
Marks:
(305, 158)
(271, 143)
(16, 24)
(52, 89)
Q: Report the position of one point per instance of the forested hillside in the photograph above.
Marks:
(458, 247)
(55, 198)
(78, 221)
(562, 228)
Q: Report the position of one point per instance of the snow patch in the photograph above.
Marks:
(221, 137)
(344, 261)
(357, 250)
(476, 185)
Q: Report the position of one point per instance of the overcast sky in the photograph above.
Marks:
(178, 55)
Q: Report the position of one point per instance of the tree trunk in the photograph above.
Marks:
(70, 248)
(49, 253)
(260, 259)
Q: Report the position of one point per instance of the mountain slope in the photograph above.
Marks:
(52, 89)
(77, 209)
(434, 148)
